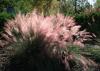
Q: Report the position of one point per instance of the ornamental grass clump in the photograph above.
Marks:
(58, 29)
(51, 35)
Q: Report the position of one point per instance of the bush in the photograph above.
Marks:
(53, 29)
(4, 16)
(48, 36)
(89, 21)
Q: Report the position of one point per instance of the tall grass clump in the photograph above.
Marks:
(49, 36)
(53, 29)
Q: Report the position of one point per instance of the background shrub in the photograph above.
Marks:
(89, 21)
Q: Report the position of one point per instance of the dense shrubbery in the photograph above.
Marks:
(12, 7)
(89, 21)
(4, 16)
(9, 8)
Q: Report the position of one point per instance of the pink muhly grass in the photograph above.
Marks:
(58, 29)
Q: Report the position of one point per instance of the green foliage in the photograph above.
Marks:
(9, 8)
(89, 51)
(89, 21)
(74, 6)
(23, 6)
(97, 4)
(81, 5)
(67, 7)
(47, 7)
(17, 5)
(4, 4)
(4, 16)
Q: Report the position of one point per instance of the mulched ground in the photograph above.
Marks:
(5, 53)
